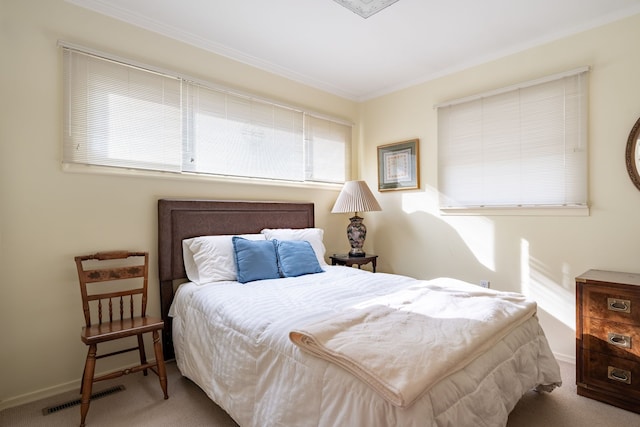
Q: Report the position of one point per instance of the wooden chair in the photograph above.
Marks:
(114, 288)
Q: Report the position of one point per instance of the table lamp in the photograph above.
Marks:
(355, 196)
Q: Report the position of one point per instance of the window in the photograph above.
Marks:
(127, 116)
(520, 147)
(327, 154)
(117, 115)
(232, 135)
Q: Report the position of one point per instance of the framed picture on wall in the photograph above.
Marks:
(398, 166)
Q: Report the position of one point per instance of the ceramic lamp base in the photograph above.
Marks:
(356, 233)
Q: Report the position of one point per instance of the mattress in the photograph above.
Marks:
(232, 340)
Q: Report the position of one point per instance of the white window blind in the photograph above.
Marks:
(233, 135)
(131, 116)
(328, 145)
(117, 115)
(523, 146)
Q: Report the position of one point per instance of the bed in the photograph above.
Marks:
(276, 351)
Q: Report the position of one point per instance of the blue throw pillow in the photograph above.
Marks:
(296, 257)
(255, 259)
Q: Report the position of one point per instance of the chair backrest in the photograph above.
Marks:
(113, 281)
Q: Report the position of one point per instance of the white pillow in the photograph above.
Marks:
(211, 258)
(311, 235)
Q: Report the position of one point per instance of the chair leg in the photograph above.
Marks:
(87, 382)
(162, 371)
(82, 380)
(143, 356)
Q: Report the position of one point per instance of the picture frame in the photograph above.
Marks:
(399, 166)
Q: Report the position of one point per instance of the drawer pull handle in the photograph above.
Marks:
(621, 305)
(619, 340)
(619, 375)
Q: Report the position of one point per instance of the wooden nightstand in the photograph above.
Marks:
(345, 259)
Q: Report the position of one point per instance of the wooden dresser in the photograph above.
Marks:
(608, 337)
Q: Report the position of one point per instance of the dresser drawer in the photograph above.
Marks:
(611, 303)
(616, 339)
(613, 374)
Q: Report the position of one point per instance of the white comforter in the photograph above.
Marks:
(433, 330)
(233, 341)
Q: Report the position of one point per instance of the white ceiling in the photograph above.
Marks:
(327, 46)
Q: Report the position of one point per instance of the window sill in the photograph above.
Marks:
(106, 170)
(516, 211)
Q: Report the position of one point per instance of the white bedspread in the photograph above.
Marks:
(233, 341)
(404, 343)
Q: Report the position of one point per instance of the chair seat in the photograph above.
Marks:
(120, 329)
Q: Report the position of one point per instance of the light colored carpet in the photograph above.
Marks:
(141, 405)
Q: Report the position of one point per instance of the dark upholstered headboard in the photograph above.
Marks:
(183, 219)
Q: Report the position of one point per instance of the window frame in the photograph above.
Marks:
(449, 206)
(79, 163)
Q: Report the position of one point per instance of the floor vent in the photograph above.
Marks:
(71, 403)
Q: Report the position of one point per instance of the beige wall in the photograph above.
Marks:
(47, 216)
(536, 255)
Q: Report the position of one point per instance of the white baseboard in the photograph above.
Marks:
(565, 358)
(40, 394)
(52, 391)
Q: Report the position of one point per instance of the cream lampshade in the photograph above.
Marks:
(355, 196)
